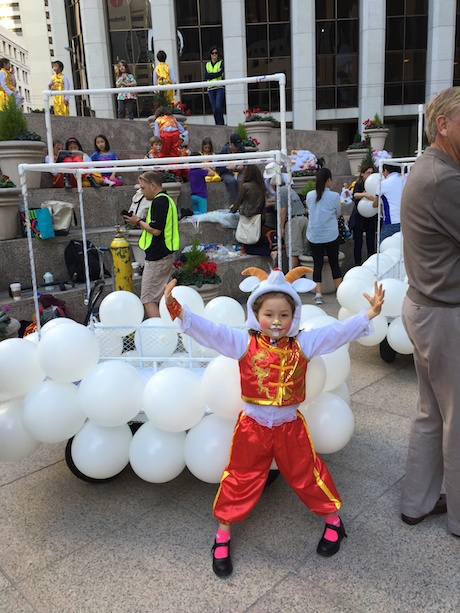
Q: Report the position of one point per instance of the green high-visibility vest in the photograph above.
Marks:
(210, 67)
(171, 229)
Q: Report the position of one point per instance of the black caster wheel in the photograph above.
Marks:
(74, 469)
(386, 352)
(272, 477)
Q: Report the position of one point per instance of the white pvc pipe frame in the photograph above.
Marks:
(280, 157)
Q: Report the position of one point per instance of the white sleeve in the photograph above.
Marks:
(172, 75)
(3, 84)
(66, 86)
(330, 338)
(231, 342)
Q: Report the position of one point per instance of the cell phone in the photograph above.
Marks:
(127, 213)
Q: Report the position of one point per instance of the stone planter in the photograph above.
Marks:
(377, 137)
(9, 207)
(355, 157)
(299, 182)
(207, 291)
(172, 189)
(15, 152)
(261, 131)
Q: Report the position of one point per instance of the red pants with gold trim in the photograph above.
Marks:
(170, 144)
(252, 451)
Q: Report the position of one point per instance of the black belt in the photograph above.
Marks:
(297, 216)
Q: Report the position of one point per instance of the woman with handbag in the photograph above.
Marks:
(324, 209)
(250, 203)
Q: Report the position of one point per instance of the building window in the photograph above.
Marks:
(199, 24)
(337, 53)
(268, 44)
(405, 51)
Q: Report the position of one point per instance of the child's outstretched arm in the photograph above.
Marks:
(376, 301)
(174, 307)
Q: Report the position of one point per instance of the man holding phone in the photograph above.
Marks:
(159, 240)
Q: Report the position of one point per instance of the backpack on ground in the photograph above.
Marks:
(50, 308)
(62, 215)
(75, 262)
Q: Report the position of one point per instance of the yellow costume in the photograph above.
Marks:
(58, 83)
(9, 84)
(164, 78)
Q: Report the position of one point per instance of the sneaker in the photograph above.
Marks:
(109, 182)
(318, 300)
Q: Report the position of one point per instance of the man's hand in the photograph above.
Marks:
(168, 291)
(376, 301)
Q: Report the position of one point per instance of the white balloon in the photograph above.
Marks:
(395, 292)
(131, 357)
(16, 443)
(173, 400)
(394, 253)
(20, 368)
(372, 184)
(344, 314)
(350, 294)
(111, 393)
(155, 455)
(207, 447)
(33, 338)
(362, 273)
(222, 388)
(319, 322)
(110, 343)
(67, 353)
(343, 392)
(366, 208)
(397, 337)
(380, 324)
(52, 412)
(225, 310)
(121, 308)
(380, 260)
(391, 242)
(337, 367)
(101, 453)
(53, 323)
(155, 338)
(187, 296)
(315, 379)
(309, 311)
(195, 350)
(331, 423)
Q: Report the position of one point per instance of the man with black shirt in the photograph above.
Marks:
(159, 240)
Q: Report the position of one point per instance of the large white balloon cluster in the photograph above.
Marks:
(56, 388)
(388, 264)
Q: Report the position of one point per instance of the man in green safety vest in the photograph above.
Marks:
(159, 240)
(214, 72)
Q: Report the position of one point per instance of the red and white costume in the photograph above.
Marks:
(270, 425)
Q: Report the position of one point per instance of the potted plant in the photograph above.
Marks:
(250, 144)
(18, 145)
(259, 125)
(377, 131)
(178, 109)
(357, 151)
(9, 206)
(195, 270)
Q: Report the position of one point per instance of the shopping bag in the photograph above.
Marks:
(62, 215)
(41, 224)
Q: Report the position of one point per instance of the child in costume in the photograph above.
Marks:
(91, 179)
(164, 75)
(59, 82)
(156, 145)
(102, 153)
(8, 83)
(169, 130)
(273, 358)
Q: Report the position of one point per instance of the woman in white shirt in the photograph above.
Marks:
(323, 229)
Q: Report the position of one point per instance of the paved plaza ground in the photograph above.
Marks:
(128, 546)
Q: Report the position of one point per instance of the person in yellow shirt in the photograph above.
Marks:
(59, 82)
(7, 81)
(164, 75)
